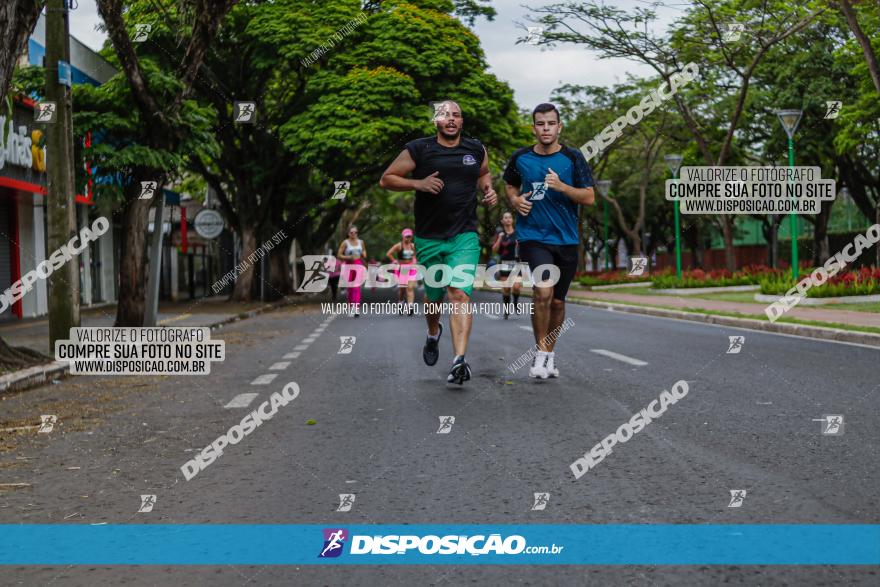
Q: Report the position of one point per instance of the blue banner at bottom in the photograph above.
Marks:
(222, 544)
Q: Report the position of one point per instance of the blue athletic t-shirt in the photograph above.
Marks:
(553, 218)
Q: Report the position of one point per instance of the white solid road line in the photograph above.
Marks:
(291, 355)
(619, 357)
(264, 379)
(242, 400)
(529, 328)
(743, 328)
(280, 366)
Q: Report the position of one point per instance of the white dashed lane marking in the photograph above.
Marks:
(619, 357)
(242, 400)
(300, 347)
(264, 379)
(291, 355)
(280, 366)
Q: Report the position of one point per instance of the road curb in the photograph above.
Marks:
(818, 332)
(33, 376)
(40, 374)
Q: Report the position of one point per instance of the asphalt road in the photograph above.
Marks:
(748, 422)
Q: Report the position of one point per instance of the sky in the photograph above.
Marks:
(532, 71)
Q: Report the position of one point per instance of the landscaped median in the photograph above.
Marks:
(850, 287)
(717, 297)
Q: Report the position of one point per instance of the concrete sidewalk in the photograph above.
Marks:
(34, 333)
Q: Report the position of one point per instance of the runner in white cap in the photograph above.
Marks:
(403, 254)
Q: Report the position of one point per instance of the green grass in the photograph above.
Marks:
(639, 291)
(731, 296)
(749, 297)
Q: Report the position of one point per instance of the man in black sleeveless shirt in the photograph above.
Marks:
(445, 171)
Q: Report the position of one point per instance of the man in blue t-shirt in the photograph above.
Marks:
(545, 184)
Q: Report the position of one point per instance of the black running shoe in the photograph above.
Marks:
(431, 350)
(460, 372)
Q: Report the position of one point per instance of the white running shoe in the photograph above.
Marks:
(551, 365)
(539, 366)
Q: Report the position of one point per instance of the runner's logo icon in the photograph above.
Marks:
(446, 423)
(469, 160)
(346, 345)
(148, 188)
(147, 503)
(733, 32)
(317, 273)
(45, 112)
(736, 344)
(736, 498)
(340, 189)
(244, 111)
(141, 32)
(538, 190)
(536, 33)
(832, 109)
(639, 264)
(47, 423)
(541, 501)
(832, 424)
(346, 500)
(334, 542)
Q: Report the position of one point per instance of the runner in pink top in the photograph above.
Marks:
(352, 251)
(405, 252)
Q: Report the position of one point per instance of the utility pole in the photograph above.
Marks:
(60, 208)
(151, 312)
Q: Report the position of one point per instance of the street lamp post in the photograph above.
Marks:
(789, 120)
(673, 162)
(604, 186)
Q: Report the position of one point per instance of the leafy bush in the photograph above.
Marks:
(750, 275)
(615, 277)
(864, 282)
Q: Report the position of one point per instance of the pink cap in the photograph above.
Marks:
(406, 232)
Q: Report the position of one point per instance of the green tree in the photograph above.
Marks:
(160, 111)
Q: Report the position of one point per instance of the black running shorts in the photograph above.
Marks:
(563, 256)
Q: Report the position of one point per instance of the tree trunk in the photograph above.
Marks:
(729, 251)
(864, 42)
(247, 257)
(694, 241)
(280, 280)
(17, 21)
(774, 241)
(14, 358)
(132, 268)
(821, 249)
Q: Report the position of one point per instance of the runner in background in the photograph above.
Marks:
(404, 255)
(332, 267)
(506, 246)
(353, 251)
